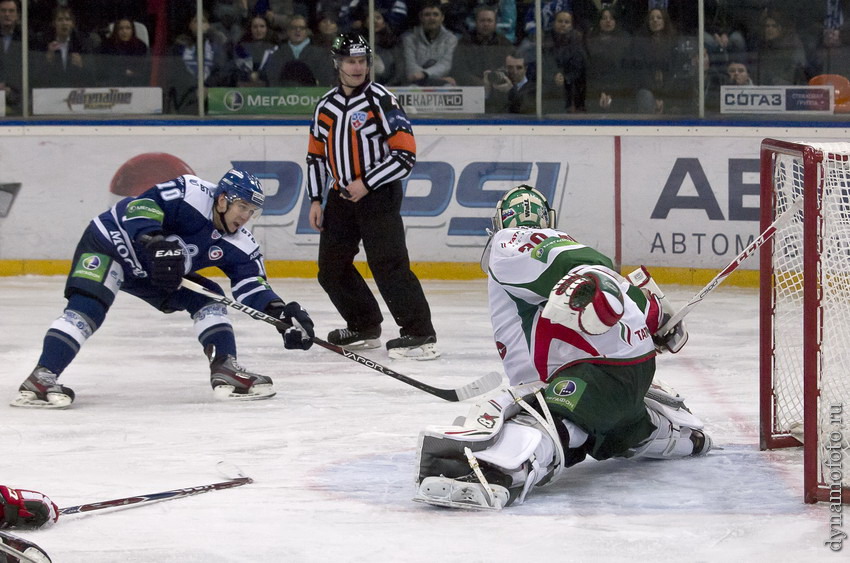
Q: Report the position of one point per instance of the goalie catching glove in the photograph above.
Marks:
(20, 508)
(590, 302)
(298, 332)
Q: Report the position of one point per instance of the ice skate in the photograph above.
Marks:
(356, 339)
(454, 493)
(232, 382)
(40, 390)
(408, 347)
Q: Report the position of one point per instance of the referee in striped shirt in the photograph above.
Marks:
(361, 143)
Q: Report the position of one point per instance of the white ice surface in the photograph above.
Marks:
(332, 454)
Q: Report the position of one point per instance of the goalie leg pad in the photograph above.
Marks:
(678, 434)
(455, 493)
(514, 449)
(516, 459)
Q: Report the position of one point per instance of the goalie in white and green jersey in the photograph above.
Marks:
(578, 344)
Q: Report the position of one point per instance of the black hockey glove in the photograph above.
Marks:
(166, 261)
(299, 332)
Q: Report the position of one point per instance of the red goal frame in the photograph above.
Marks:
(815, 489)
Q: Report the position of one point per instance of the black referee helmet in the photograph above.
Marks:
(351, 44)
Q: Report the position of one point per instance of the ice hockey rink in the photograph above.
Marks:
(332, 455)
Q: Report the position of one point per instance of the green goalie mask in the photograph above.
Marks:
(523, 206)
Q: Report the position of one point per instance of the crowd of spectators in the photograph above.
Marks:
(598, 56)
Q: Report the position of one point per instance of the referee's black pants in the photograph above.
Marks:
(376, 220)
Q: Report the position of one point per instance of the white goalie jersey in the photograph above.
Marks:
(524, 265)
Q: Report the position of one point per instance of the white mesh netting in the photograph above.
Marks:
(833, 370)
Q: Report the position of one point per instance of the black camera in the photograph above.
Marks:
(498, 77)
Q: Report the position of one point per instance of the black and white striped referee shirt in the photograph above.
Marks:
(366, 135)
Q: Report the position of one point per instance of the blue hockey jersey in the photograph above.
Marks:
(182, 210)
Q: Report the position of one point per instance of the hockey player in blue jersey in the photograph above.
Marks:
(144, 246)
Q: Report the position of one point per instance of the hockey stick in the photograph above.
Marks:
(153, 497)
(765, 236)
(18, 547)
(479, 386)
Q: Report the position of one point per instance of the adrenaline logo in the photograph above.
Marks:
(98, 100)
(91, 263)
(234, 100)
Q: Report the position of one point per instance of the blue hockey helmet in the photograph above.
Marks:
(241, 184)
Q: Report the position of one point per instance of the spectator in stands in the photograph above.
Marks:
(781, 59)
(480, 50)
(276, 12)
(280, 71)
(829, 49)
(609, 88)
(588, 12)
(460, 16)
(11, 69)
(394, 12)
(723, 37)
(712, 80)
(455, 13)
(182, 93)
(125, 60)
(429, 48)
(229, 17)
(653, 53)
(506, 19)
(738, 73)
(62, 58)
(337, 7)
(327, 28)
(564, 67)
(685, 98)
(510, 91)
(548, 9)
(388, 55)
(253, 52)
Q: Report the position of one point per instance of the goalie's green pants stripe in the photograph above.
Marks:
(606, 401)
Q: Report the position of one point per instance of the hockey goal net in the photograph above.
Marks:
(805, 311)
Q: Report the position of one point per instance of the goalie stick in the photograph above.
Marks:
(23, 551)
(479, 386)
(153, 497)
(765, 236)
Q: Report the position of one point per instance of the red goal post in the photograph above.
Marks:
(804, 342)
